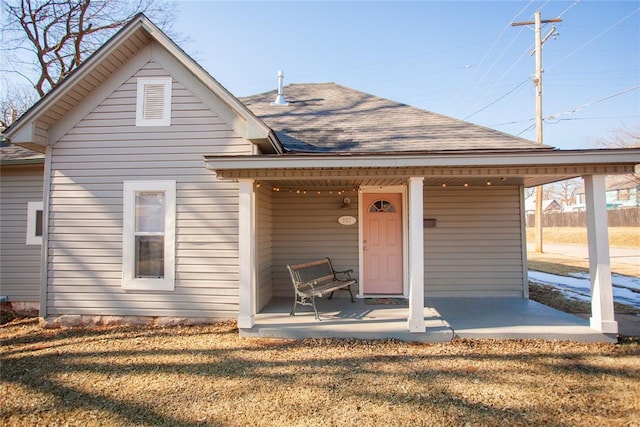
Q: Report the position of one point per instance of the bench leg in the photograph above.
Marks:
(313, 302)
(350, 293)
(302, 302)
(348, 288)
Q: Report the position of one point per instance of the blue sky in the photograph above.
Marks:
(462, 59)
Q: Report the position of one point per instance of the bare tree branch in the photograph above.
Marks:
(60, 34)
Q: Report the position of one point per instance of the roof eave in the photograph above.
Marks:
(433, 159)
(21, 162)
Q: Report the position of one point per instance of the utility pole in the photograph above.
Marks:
(537, 81)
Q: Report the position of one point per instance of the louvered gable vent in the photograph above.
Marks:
(153, 102)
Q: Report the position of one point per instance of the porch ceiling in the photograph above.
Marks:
(286, 184)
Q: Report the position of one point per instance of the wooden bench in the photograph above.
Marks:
(316, 279)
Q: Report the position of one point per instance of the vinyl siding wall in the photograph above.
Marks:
(305, 228)
(19, 262)
(89, 165)
(476, 247)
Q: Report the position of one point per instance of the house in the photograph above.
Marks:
(166, 197)
(621, 192)
(548, 206)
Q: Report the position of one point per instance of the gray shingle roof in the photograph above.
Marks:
(11, 152)
(326, 117)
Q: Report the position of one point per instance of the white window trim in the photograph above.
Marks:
(166, 112)
(129, 281)
(32, 209)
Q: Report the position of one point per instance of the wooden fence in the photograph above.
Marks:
(627, 217)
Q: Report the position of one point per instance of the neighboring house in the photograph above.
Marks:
(166, 196)
(548, 206)
(623, 191)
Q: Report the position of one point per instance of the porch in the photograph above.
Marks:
(459, 232)
(445, 319)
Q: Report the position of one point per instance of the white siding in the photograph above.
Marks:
(264, 254)
(305, 228)
(476, 247)
(19, 262)
(89, 165)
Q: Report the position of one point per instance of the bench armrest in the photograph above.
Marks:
(311, 283)
(347, 273)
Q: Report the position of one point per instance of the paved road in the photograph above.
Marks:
(629, 256)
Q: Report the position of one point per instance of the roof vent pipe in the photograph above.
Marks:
(280, 99)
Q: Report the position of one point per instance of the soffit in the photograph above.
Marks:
(312, 178)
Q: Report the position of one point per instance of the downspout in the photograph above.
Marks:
(44, 264)
(523, 240)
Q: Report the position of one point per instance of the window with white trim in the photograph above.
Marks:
(149, 218)
(153, 101)
(35, 223)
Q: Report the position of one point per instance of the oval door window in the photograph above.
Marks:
(381, 206)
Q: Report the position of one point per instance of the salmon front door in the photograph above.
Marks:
(382, 244)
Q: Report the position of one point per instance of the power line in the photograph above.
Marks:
(578, 108)
(594, 39)
(500, 98)
(569, 8)
(491, 50)
(590, 103)
(565, 119)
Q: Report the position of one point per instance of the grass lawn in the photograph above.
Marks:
(207, 375)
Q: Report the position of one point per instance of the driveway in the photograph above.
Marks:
(627, 257)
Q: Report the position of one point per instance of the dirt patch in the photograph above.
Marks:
(207, 375)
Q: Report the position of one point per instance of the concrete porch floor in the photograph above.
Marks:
(445, 318)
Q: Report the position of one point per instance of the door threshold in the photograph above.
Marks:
(382, 296)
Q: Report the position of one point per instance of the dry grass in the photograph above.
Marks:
(207, 375)
(618, 236)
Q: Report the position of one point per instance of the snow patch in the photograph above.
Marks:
(626, 290)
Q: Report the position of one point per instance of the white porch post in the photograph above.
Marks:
(246, 255)
(602, 318)
(416, 256)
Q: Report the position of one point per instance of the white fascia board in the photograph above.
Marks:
(493, 159)
(24, 134)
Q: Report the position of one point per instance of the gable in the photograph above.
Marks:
(108, 67)
(111, 127)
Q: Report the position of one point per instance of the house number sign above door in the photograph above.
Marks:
(347, 220)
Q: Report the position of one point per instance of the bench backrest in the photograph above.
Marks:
(320, 271)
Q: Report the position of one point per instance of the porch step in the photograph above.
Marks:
(433, 334)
